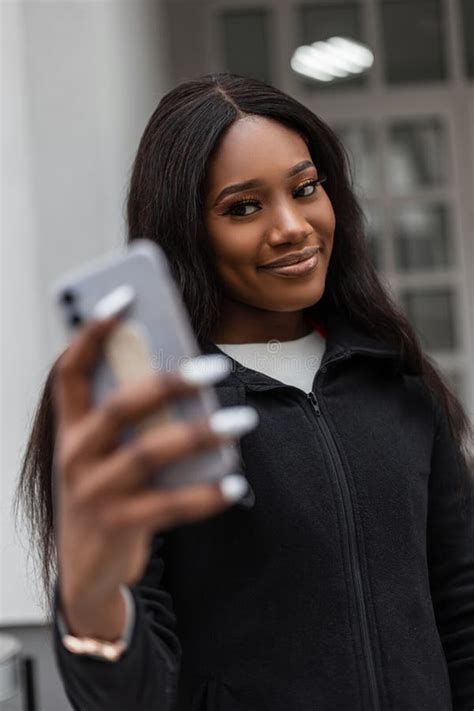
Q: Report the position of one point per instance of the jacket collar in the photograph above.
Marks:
(343, 341)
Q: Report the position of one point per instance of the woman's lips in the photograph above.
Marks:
(299, 269)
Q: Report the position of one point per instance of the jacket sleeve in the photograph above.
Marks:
(450, 539)
(145, 677)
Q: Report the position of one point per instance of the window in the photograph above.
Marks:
(417, 155)
(434, 315)
(413, 39)
(423, 237)
(245, 41)
(401, 169)
(359, 140)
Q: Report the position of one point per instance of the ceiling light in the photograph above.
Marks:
(335, 58)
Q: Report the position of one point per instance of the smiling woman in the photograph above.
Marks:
(347, 581)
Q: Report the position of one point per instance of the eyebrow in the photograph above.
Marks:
(249, 184)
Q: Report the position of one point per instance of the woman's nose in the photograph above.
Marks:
(288, 225)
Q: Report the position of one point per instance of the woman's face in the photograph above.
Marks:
(283, 213)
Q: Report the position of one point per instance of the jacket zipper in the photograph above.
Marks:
(354, 555)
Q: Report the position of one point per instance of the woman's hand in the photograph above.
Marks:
(105, 514)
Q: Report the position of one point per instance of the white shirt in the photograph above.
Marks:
(291, 362)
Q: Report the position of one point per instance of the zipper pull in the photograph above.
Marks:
(314, 402)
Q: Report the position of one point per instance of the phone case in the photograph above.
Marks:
(155, 334)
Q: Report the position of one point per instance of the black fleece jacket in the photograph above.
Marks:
(348, 585)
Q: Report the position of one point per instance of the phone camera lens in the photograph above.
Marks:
(75, 319)
(67, 297)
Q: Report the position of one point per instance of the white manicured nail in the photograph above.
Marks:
(205, 369)
(233, 487)
(234, 421)
(113, 303)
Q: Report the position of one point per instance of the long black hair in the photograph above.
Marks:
(165, 204)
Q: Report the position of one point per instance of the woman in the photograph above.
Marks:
(349, 583)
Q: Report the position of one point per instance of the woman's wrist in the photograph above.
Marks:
(104, 619)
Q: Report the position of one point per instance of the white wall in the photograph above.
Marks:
(79, 81)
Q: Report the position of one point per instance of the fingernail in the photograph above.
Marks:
(113, 303)
(233, 487)
(205, 369)
(234, 421)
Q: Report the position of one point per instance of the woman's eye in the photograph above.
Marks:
(308, 189)
(243, 209)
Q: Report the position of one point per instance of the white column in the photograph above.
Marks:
(79, 81)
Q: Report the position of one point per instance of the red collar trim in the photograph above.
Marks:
(317, 326)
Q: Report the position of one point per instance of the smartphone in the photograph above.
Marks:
(155, 334)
